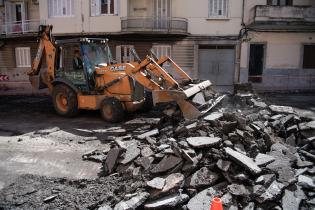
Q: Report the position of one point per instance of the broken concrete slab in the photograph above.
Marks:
(281, 109)
(153, 132)
(167, 163)
(147, 151)
(306, 182)
(105, 207)
(201, 142)
(202, 178)
(143, 121)
(223, 165)
(243, 160)
(199, 99)
(202, 200)
(213, 116)
(173, 181)
(133, 203)
(144, 162)
(272, 192)
(167, 202)
(290, 201)
(250, 206)
(238, 190)
(156, 183)
(111, 159)
(259, 104)
(132, 152)
(263, 159)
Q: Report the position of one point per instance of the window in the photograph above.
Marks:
(104, 7)
(162, 50)
(218, 8)
(308, 57)
(23, 57)
(60, 8)
(123, 54)
(279, 2)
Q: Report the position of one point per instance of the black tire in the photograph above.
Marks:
(112, 110)
(65, 100)
(148, 102)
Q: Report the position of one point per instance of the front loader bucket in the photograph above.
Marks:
(182, 98)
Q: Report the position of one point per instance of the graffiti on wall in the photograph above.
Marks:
(4, 78)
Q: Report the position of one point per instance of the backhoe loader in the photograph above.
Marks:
(80, 73)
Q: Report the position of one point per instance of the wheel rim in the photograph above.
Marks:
(108, 111)
(61, 102)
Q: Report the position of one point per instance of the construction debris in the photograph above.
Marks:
(252, 155)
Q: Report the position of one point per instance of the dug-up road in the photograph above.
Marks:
(34, 140)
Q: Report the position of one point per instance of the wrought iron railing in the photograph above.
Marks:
(18, 27)
(154, 24)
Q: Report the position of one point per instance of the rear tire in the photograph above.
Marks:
(65, 101)
(112, 110)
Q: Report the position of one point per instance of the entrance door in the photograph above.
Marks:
(217, 63)
(162, 13)
(256, 62)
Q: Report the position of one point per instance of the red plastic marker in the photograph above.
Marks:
(216, 204)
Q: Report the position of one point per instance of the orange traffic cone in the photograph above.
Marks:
(216, 204)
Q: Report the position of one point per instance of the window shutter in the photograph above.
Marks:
(117, 7)
(118, 54)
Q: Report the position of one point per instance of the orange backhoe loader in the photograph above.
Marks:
(81, 74)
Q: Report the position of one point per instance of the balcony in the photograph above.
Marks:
(283, 18)
(19, 27)
(153, 24)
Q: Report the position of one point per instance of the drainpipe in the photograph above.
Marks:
(238, 70)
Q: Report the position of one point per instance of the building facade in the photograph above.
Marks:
(220, 40)
(278, 49)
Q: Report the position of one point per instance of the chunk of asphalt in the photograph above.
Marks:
(213, 116)
(243, 160)
(167, 163)
(156, 183)
(132, 152)
(223, 165)
(263, 159)
(172, 183)
(272, 192)
(238, 190)
(133, 203)
(202, 178)
(111, 159)
(290, 201)
(167, 202)
(281, 109)
(146, 152)
(201, 142)
(202, 200)
(306, 182)
(105, 207)
(153, 132)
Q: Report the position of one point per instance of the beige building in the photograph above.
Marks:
(218, 40)
(278, 49)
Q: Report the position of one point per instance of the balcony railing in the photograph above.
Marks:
(154, 24)
(19, 27)
(284, 13)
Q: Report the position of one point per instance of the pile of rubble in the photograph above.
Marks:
(251, 155)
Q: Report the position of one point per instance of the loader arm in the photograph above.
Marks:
(46, 48)
(164, 87)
